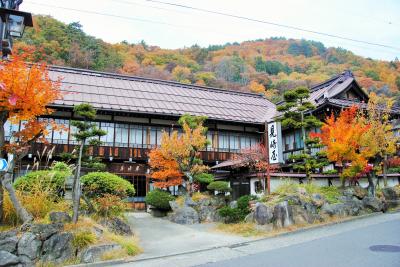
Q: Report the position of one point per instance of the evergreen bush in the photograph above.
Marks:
(98, 184)
(159, 199)
(220, 186)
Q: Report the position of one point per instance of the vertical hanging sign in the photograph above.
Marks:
(275, 142)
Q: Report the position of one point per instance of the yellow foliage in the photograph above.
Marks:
(37, 201)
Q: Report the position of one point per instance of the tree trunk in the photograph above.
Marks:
(2, 153)
(7, 184)
(371, 185)
(77, 186)
(384, 171)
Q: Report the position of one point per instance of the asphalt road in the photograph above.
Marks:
(345, 244)
(353, 248)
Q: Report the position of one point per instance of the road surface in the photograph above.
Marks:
(371, 246)
(345, 244)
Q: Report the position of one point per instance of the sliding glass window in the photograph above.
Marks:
(121, 135)
(108, 139)
(136, 136)
(60, 136)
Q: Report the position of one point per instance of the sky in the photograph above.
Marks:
(174, 27)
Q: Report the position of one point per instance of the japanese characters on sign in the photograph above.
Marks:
(274, 142)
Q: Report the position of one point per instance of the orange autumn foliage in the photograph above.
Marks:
(25, 91)
(342, 136)
(165, 171)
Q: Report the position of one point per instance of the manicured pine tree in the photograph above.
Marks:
(295, 116)
(87, 133)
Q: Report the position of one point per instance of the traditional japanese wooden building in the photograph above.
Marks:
(135, 111)
(330, 96)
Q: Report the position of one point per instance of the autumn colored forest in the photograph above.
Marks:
(268, 66)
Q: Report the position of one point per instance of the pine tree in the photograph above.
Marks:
(87, 133)
(296, 116)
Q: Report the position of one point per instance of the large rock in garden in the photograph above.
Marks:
(354, 206)
(391, 196)
(205, 202)
(347, 194)
(360, 192)
(218, 201)
(283, 215)
(189, 202)
(185, 215)
(8, 241)
(302, 216)
(9, 244)
(44, 231)
(29, 246)
(263, 214)
(59, 217)
(339, 209)
(374, 204)
(8, 259)
(174, 205)
(58, 248)
(318, 200)
(93, 253)
(208, 214)
(117, 226)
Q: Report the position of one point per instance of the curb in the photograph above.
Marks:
(234, 245)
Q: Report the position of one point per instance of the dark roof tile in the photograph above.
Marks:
(135, 94)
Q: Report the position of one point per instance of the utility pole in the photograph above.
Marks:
(12, 24)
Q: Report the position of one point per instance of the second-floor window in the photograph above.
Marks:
(121, 135)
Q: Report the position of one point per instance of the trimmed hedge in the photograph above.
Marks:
(159, 199)
(219, 186)
(97, 184)
(204, 178)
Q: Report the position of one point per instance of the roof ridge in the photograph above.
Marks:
(159, 81)
(345, 73)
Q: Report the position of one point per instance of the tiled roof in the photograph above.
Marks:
(106, 91)
(331, 88)
(361, 105)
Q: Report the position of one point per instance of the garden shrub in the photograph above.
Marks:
(287, 188)
(98, 184)
(197, 196)
(38, 201)
(159, 199)
(230, 215)
(53, 179)
(83, 239)
(234, 215)
(204, 178)
(331, 193)
(310, 188)
(109, 205)
(220, 186)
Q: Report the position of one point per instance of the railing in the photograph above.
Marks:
(121, 153)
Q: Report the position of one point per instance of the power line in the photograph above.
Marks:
(105, 14)
(151, 21)
(274, 24)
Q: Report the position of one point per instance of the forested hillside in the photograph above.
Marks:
(267, 66)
